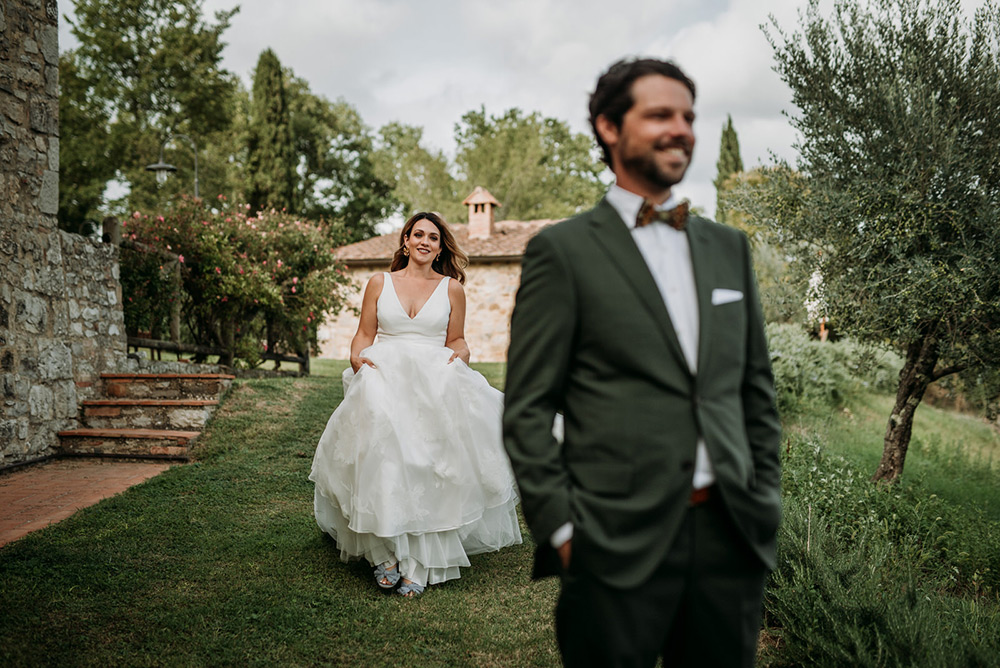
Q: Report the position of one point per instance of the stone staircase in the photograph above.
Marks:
(145, 415)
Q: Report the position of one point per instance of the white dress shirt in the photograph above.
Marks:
(668, 256)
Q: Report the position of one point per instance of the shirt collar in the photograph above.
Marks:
(627, 204)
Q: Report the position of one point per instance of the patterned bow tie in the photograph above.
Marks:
(675, 217)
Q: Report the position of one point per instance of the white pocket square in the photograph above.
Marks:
(725, 296)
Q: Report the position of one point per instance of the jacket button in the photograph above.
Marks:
(687, 465)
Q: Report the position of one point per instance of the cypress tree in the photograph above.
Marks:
(270, 150)
(729, 163)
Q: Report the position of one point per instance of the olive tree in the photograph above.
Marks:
(896, 197)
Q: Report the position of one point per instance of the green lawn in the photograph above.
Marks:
(220, 562)
(953, 455)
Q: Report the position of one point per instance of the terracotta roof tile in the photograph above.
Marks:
(508, 241)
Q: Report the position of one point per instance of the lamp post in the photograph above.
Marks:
(163, 169)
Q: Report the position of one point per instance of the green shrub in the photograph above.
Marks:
(879, 576)
(955, 546)
(864, 604)
(148, 291)
(811, 374)
(807, 373)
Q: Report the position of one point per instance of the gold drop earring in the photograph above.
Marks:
(406, 251)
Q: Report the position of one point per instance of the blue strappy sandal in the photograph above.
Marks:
(390, 576)
(410, 589)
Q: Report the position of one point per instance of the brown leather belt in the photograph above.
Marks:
(700, 496)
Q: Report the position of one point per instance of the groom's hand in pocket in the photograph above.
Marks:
(565, 553)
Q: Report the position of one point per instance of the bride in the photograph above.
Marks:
(410, 472)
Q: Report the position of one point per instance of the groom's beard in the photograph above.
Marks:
(644, 163)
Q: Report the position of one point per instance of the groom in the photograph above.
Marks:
(642, 325)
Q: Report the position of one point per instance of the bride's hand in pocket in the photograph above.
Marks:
(456, 355)
(358, 362)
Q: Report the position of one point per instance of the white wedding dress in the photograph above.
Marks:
(411, 466)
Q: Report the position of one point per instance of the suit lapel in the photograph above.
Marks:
(704, 280)
(614, 238)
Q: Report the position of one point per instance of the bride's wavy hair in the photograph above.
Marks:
(452, 260)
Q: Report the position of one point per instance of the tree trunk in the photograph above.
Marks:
(917, 373)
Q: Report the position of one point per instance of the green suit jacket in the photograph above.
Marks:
(591, 338)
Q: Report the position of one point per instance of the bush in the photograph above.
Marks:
(879, 576)
(807, 373)
(148, 291)
(250, 283)
(810, 374)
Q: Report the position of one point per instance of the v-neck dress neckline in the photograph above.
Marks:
(420, 310)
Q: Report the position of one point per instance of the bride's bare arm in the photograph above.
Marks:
(456, 323)
(368, 325)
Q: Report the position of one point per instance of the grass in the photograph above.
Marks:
(953, 455)
(905, 575)
(220, 561)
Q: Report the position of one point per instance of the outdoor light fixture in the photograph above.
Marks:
(163, 169)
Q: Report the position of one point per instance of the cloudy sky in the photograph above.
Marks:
(427, 62)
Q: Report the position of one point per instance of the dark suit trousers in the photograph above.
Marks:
(701, 607)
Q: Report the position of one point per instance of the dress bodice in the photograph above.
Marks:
(430, 324)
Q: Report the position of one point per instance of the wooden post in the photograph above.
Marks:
(111, 231)
(175, 309)
(229, 345)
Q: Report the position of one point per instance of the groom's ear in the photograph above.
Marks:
(607, 130)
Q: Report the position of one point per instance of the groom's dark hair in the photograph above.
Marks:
(613, 96)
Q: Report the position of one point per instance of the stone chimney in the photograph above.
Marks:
(481, 204)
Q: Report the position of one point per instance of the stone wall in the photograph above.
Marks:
(489, 293)
(61, 321)
(63, 328)
(489, 290)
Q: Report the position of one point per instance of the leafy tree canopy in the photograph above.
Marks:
(783, 288)
(144, 69)
(535, 166)
(897, 196)
(338, 179)
(270, 164)
(728, 164)
(85, 165)
(421, 179)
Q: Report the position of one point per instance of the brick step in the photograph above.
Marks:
(148, 413)
(166, 385)
(140, 443)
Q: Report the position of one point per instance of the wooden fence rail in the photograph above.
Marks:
(224, 356)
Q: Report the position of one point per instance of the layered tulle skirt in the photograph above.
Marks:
(411, 466)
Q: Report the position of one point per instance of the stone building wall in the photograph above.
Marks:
(61, 321)
(334, 336)
(490, 288)
(489, 294)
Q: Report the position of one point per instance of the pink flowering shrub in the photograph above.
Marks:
(250, 283)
